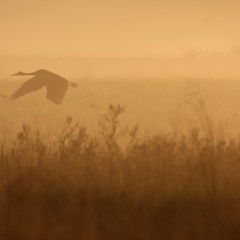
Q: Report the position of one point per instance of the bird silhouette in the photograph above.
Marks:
(56, 86)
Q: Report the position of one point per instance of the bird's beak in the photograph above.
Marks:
(13, 74)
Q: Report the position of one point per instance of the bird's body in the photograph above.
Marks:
(56, 85)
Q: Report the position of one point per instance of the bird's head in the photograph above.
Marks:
(20, 74)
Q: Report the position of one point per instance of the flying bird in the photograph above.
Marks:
(56, 86)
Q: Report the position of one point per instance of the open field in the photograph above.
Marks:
(156, 105)
(96, 175)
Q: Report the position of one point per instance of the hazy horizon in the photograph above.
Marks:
(116, 28)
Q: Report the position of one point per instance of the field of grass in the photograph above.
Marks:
(96, 175)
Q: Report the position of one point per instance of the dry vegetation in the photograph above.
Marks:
(91, 186)
(115, 182)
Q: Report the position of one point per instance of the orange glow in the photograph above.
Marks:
(116, 28)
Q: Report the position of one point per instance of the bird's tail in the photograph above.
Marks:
(71, 84)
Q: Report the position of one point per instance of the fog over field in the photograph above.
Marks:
(119, 119)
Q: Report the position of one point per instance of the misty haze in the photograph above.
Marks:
(119, 119)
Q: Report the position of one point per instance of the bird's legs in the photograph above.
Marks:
(71, 84)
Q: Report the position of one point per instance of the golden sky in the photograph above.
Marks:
(116, 27)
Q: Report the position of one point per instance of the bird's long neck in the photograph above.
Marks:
(23, 74)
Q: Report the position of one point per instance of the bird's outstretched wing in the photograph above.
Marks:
(56, 90)
(29, 86)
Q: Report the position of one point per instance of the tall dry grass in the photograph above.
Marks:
(117, 184)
